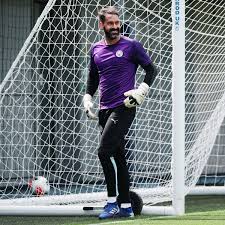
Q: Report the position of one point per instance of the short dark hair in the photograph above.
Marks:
(107, 10)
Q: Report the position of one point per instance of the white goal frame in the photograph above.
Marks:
(179, 191)
(177, 208)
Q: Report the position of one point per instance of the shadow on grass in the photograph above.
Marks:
(208, 203)
(49, 220)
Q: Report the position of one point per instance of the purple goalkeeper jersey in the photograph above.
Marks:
(117, 65)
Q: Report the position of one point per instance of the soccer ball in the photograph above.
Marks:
(39, 186)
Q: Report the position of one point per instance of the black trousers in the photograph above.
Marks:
(115, 124)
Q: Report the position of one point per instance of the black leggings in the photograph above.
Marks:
(115, 124)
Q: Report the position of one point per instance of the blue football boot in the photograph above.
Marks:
(110, 210)
(126, 212)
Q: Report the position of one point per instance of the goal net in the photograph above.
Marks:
(45, 132)
(205, 92)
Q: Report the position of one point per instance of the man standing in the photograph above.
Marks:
(114, 62)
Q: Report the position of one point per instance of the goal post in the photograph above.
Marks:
(44, 129)
(178, 108)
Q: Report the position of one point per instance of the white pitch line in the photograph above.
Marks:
(114, 222)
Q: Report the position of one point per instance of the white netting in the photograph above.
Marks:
(205, 83)
(44, 130)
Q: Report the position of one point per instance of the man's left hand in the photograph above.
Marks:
(136, 96)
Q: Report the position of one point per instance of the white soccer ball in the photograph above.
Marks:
(39, 186)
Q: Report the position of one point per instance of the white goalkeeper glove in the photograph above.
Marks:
(136, 96)
(88, 105)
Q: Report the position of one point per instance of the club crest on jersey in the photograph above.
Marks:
(119, 53)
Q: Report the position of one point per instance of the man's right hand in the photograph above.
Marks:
(88, 105)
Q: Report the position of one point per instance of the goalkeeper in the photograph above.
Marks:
(113, 65)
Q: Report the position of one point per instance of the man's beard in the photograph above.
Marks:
(110, 34)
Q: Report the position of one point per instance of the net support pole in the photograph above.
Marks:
(178, 111)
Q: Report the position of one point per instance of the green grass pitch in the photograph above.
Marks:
(200, 210)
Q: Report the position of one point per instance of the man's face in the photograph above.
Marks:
(111, 26)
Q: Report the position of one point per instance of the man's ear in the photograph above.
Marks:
(101, 25)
